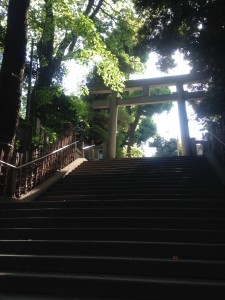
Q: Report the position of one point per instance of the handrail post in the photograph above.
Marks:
(61, 160)
(75, 147)
(92, 150)
(6, 179)
(1, 157)
(82, 149)
(13, 183)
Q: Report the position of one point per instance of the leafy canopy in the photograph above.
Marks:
(197, 29)
(76, 31)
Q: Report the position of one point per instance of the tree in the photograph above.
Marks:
(135, 124)
(3, 17)
(65, 109)
(194, 27)
(135, 151)
(74, 31)
(165, 147)
(93, 32)
(11, 76)
(146, 129)
(197, 29)
(142, 127)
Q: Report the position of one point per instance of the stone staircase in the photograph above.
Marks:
(151, 228)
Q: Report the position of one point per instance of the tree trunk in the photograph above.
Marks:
(46, 47)
(131, 134)
(50, 60)
(11, 76)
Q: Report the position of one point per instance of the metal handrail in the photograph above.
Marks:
(8, 165)
(216, 137)
(87, 147)
(6, 144)
(40, 158)
(14, 187)
(214, 148)
(24, 178)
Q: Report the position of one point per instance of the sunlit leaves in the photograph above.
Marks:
(165, 147)
(46, 94)
(197, 29)
(69, 24)
(135, 151)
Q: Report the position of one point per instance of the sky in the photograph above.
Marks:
(167, 123)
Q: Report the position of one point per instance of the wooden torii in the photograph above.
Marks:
(145, 84)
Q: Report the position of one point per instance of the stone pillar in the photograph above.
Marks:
(184, 129)
(112, 127)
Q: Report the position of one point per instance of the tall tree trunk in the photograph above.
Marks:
(131, 134)
(50, 60)
(11, 76)
(46, 47)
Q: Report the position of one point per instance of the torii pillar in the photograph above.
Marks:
(112, 126)
(184, 129)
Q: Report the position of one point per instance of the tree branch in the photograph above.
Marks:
(97, 8)
(65, 43)
(89, 7)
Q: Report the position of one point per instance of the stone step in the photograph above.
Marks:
(125, 287)
(148, 187)
(156, 203)
(167, 250)
(148, 173)
(115, 234)
(38, 296)
(114, 222)
(147, 191)
(135, 212)
(139, 182)
(120, 229)
(129, 266)
(131, 196)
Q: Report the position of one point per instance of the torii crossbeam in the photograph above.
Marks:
(145, 84)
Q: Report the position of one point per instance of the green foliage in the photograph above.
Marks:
(141, 126)
(38, 140)
(124, 119)
(98, 131)
(46, 94)
(165, 147)
(3, 21)
(134, 152)
(211, 109)
(88, 125)
(101, 37)
(123, 39)
(85, 39)
(150, 109)
(65, 109)
(121, 141)
(110, 72)
(146, 129)
(197, 29)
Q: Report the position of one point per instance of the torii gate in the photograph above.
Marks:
(144, 84)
